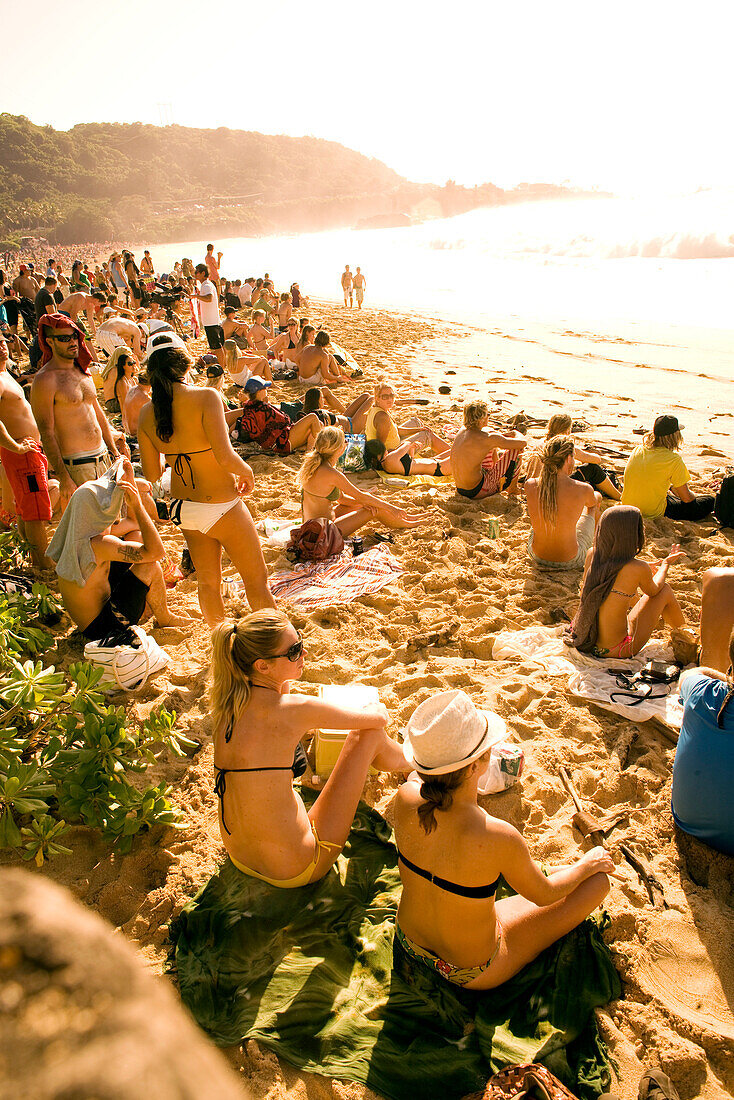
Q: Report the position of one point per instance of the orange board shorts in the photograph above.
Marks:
(28, 477)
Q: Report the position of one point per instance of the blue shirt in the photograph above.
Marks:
(703, 772)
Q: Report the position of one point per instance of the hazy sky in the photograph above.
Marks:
(634, 95)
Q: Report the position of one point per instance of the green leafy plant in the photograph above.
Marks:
(66, 754)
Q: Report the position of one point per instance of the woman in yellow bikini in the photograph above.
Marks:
(452, 854)
(258, 725)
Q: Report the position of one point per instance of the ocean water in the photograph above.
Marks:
(612, 296)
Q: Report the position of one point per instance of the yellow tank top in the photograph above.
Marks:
(393, 438)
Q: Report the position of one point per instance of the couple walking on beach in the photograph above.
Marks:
(353, 283)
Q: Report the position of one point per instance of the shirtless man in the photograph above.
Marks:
(137, 396)
(484, 463)
(317, 365)
(563, 513)
(347, 285)
(76, 434)
(116, 332)
(212, 266)
(259, 336)
(24, 285)
(126, 583)
(359, 284)
(92, 304)
(235, 330)
(25, 464)
(146, 264)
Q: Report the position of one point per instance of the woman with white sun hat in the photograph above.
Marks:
(452, 854)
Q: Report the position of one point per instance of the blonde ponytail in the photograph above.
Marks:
(236, 645)
(327, 443)
(559, 424)
(553, 456)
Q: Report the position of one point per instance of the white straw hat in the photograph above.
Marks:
(447, 732)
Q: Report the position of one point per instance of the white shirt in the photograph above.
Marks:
(209, 311)
(245, 294)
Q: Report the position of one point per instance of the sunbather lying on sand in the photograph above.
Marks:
(611, 621)
(329, 409)
(562, 512)
(590, 470)
(258, 725)
(484, 463)
(452, 854)
(401, 461)
(328, 495)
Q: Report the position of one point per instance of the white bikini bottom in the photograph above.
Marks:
(194, 515)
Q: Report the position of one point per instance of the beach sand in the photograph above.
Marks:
(676, 964)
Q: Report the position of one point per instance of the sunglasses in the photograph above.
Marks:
(294, 653)
(63, 338)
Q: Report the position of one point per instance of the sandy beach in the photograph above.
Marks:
(465, 586)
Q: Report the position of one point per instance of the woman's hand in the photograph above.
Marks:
(598, 860)
(676, 554)
(246, 481)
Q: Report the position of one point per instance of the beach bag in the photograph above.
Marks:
(352, 461)
(263, 424)
(128, 657)
(525, 1082)
(315, 541)
(724, 503)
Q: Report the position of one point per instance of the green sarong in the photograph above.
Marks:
(309, 973)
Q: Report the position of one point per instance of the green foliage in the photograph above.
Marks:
(66, 755)
(9, 245)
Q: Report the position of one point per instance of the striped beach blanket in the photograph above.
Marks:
(340, 579)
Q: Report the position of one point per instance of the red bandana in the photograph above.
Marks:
(60, 320)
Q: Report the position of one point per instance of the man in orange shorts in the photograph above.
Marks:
(25, 464)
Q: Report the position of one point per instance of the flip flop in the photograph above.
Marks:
(656, 1085)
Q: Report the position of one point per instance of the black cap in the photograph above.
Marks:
(666, 425)
(214, 371)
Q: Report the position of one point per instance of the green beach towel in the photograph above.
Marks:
(309, 973)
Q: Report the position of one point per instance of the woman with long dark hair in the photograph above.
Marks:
(133, 276)
(185, 425)
(120, 379)
(611, 620)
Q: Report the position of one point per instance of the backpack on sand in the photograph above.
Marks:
(128, 658)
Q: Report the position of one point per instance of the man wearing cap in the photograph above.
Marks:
(25, 464)
(76, 434)
(24, 285)
(208, 296)
(656, 478)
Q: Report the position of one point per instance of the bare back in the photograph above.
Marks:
(556, 540)
(200, 434)
(313, 359)
(470, 447)
(461, 850)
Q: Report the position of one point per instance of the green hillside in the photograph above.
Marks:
(100, 180)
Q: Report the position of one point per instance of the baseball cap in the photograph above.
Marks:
(161, 341)
(108, 311)
(666, 425)
(23, 269)
(214, 371)
(252, 385)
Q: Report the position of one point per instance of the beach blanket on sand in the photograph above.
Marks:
(588, 677)
(309, 973)
(340, 579)
(398, 480)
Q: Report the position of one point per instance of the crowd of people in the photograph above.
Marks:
(112, 426)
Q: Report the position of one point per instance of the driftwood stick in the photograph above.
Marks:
(568, 784)
(648, 879)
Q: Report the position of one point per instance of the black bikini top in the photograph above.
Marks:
(451, 887)
(298, 767)
(180, 459)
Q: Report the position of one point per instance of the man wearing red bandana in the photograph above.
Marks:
(76, 435)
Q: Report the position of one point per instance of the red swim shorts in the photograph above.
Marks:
(28, 477)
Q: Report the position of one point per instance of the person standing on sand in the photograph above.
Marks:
(212, 266)
(347, 285)
(146, 264)
(484, 463)
(25, 464)
(563, 513)
(76, 434)
(186, 423)
(359, 285)
(208, 296)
